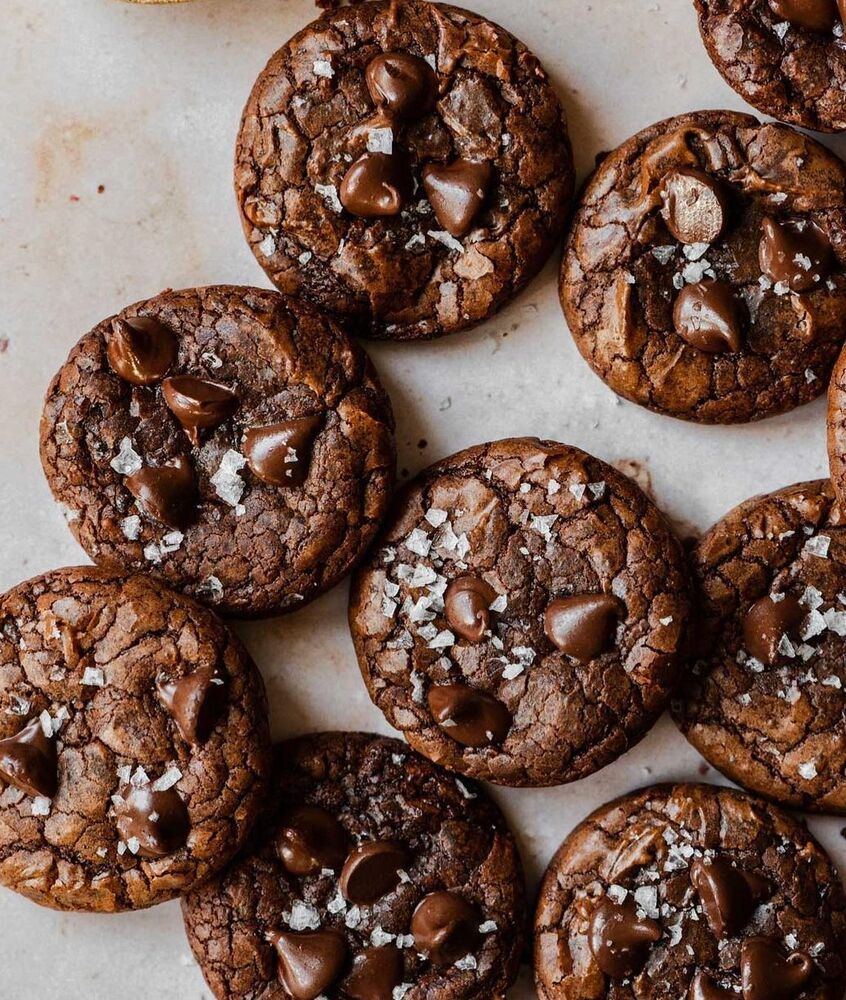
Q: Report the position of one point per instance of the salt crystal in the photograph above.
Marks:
(228, 485)
(329, 193)
(322, 67)
(131, 527)
(447, 239)
(93, 677)
(380, 140)
(127, 461)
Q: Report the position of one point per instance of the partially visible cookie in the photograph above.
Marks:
(134, 745)
(703, 276)
(765, 699)
(372, 876)
(837, 427)
(521, 617)
(232, 441)
(692, 892)
(787, 58)
(405, 165)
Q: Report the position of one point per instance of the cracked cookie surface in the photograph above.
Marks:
(339, 797)
(740, 314)
(241, 448)
(764, 700)
(147, 698)
(690, 891)
(521, 616)
(313, 119)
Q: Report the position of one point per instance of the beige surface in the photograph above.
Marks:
(145, 101)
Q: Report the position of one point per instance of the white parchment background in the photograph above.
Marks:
(145, 101)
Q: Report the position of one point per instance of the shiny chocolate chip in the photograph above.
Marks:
(728, 894)
(619, 939)
(470, 717)
(195, 702)
(707, 315)
(29, 762)
(704, 987)
(280, 454)
(167, 493)
(466, 603)
(695, 206)
(583, 626)
(767, 622)
(446, 927)
(197, 404)
(311, 839)
(141, 349)
(457, 193)
(402, 85)
(795, 253)
(372, 871)
(152, 823)
(766, 974)
(816, 15)
(377, 185)
(376, 972)
(310, 962)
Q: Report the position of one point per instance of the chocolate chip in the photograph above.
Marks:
(375, 974)
(167, 493)
(619, 939)
(195, 702)
(766, 623)
(707, 316)
(457, 192)
(695, 206)
(141, 350)
(372, 871)
(309, 962)
(157, 820)
(470, 717)
(280, 454)
(728, 894)
(583, 626)
(466, 604)
(197, 404)
(377, 184)
(402, 85)
(446, 927)
(795, 253)
(766, 974)
(311, 839)
(28, 761)
(816, 15)
(703, 987)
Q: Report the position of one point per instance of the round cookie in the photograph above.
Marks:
(703, 274)
(764, 700)
(785, 57)
(693, 892)
(521, 618)
(373, 876)
(403, 164)
(134, 745)
(837, 427)
(232, 441)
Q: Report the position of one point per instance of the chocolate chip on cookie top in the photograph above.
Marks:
(692, 892)
(703, 275)
(232, 441)
(373, 876)
(404, 164)
(521, 617)
(765, 698)
(785, 57)
(134, 747)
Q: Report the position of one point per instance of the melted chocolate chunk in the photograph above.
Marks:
(377, 185)
(402, 85)
(707, 315)
(795, 253)
(466, 603)
(457, 193)
(198, 404)
(309, 962)
(703, 987)
(372, 871)
(375, 974)
(195, 702)
(280, 454)
(583, 626)
(619, 939)
(728, 895)
(311, 839)
(816, 15)
(470, 717)
(141, 350)
(28, 761)
(767, 622)
(157, 821)
(695, 206)
(167, 493)
(767, 975)
(446, 927)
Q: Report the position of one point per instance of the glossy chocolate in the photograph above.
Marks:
(470, 717)
(198, 404)
(372, 870)
(155, 823)
(767, 622)
(816, 15)
(167, 493)
(446, 927)
(766, 974)
(141, 349)
(377, 185)
(583, 626)
(795, 253)
(704, 987)
(466, 604)
(309, 962)
(311, 839)
(376, 972)
(728, 894)
(695, 206)
(280, 454)
(196, 702)
(457, 192)
(29, 762)
(707, 315)
(403, 86)
(619, 939)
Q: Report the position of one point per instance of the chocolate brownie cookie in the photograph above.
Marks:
(374, 876)
(691, 892)
(764, 701)
(521, 618)
(787, 58)
(232, 441)
(134, 746)
(837, 427)
(703, 276)
(404, 164)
